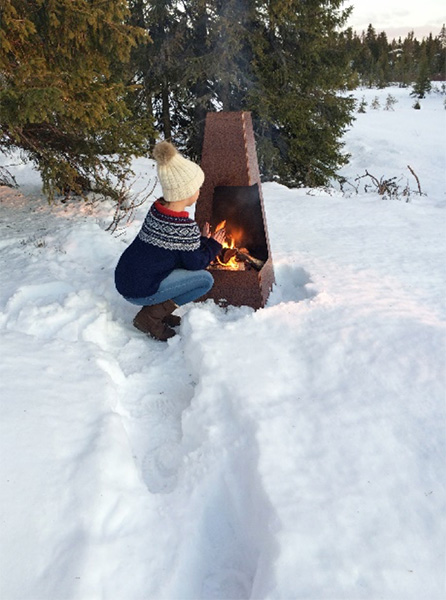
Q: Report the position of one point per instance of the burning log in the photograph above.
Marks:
(227, 254)
(244, 255)
(234, 258)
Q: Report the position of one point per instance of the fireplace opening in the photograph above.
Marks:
(240, 209)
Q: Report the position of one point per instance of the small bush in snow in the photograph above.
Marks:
(375, 103)
(362, 105)
(390, 102)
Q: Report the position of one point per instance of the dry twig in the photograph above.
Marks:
(416, 177)
(127, 203)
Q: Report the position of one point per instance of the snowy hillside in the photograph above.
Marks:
(293, 453)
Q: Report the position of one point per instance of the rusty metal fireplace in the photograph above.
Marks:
(232, 193)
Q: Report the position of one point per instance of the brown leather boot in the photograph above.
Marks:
(172, 320)
(150, 320)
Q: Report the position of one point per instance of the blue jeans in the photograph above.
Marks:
(181, 286)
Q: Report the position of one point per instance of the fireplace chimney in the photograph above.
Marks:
(232, 192)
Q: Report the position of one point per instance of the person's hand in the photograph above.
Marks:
(219, 236)
(206, 231)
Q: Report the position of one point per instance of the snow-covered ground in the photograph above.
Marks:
(293, 453)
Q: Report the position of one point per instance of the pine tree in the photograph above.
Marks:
(199, 73)
(440, 68)
(423, 85)
(383, 66)
(299, 66)
(219, 72)
(410, 58)
(65, 84)
(394, 60)
(157, 61)
(352, 46)
(283, 60)
(362, 105)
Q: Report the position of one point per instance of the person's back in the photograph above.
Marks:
(164, 267)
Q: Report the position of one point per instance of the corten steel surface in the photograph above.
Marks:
(229, 160)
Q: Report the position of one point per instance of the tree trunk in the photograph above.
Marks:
(200, 87)
(167, 126)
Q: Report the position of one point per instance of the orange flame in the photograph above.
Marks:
(220, 226)
(229, 243)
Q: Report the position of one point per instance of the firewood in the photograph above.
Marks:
(227, 254)
(244, 255)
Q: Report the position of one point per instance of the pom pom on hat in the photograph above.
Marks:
(179, 177)
(164, 152)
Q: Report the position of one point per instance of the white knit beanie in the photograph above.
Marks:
(179, 177)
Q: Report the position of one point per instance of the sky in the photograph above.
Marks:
(398, 17)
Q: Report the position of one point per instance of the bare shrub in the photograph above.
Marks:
(126, 204)
(391, 188)
(7, 178)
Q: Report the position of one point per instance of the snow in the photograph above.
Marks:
(294, 452)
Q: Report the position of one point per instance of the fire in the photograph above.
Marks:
(229, 244)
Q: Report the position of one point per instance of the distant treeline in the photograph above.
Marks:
(376, 61)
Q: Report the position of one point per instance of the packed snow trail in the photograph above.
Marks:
(133, 407)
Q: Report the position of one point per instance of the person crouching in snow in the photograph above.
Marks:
(164, 267)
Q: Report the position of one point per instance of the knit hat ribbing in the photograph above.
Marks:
(179, 177)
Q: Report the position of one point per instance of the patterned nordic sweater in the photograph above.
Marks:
(168, 240)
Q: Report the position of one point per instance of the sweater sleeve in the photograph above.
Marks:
(200, 259)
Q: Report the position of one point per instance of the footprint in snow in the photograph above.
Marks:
(160, 468)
